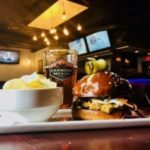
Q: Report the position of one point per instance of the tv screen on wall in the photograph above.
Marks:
(78, 45)
(98, 41)
(9, 57)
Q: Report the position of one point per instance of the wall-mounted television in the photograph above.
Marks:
(78, 45)
(9, 57)
(98, 41)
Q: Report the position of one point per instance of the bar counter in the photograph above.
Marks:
(103, 139)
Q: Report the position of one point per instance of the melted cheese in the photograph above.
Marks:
(106, 106)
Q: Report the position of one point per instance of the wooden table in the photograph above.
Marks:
(103, 139)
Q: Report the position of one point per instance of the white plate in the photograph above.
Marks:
(71, 125)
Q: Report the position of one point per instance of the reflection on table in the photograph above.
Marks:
(104, 139)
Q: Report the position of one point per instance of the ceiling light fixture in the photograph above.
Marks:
(118, 59)
(79, 27)
(48, 43)
(43, 34)
(71, 9)
(53, 31)
(65, 31)
(64, 15)
(56, 18)
(64, 12)
(45, 39)
(127, 61)
(35, 38)
(56, 37)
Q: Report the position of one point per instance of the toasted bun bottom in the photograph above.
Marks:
(84, 114)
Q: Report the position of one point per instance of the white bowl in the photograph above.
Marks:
(32, 104)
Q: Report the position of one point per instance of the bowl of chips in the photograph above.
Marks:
(34, 97)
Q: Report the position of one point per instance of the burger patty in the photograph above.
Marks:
(106, 106)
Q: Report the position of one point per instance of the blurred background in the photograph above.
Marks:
(116, 30)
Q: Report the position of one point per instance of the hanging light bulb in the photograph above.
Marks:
(63, 15)
(34, 38)
(79, 27)
(64, 12)
(45, 39)
(53, 31)
(48, 43)
(56, 37)
(43, 34)
(65, 31)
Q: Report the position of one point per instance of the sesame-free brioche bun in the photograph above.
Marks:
(86, 114)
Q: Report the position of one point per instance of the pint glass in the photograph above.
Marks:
(61, 67)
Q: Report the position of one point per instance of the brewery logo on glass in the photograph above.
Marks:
(61, 70)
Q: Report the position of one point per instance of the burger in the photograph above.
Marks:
(103, 95)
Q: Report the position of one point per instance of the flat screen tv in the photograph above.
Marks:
(9, 57)
(98, 41)
(78, 45)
